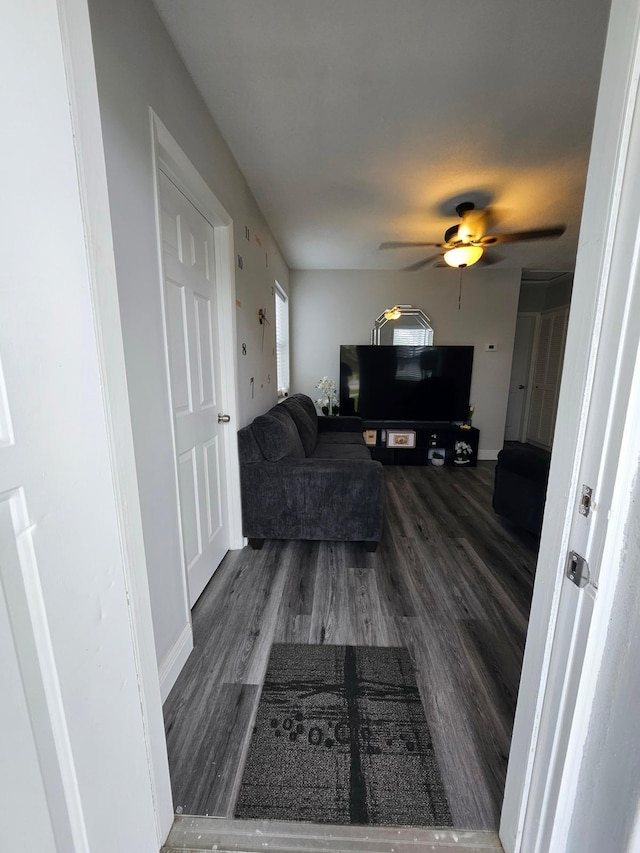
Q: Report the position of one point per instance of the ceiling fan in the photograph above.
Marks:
(466, 243)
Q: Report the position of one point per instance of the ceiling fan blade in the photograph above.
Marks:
(420, 264)
(396, 245)
(516, 236)
(473, 225)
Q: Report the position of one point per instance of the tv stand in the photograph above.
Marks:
(430, 436)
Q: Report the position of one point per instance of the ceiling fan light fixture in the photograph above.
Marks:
(393, 313)
(463, 256)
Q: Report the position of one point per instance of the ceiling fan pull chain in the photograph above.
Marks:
(460, 290)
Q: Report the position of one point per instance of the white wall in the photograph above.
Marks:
(329, 308)
(532, 297)
(537, 296)
(558, 293)
(137, 68)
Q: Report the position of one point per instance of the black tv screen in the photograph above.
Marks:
(405, 383)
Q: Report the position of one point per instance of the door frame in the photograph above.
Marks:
(597, 237)
(73, 38)
(605, 285)
(169, 158)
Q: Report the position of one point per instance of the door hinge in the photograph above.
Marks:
(585, 500)
(577, 569)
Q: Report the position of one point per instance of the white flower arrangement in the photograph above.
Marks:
(463, 449)
(327, 386)
(328, 403)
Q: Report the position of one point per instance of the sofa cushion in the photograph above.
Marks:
(306, 421)
(307, 404)
(277, 435)
(337, 452)
(340, 438)
(248, 448)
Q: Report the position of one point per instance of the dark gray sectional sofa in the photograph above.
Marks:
(305, 477)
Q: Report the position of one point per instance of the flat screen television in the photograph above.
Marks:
(405, 383)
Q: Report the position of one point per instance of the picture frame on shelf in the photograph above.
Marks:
(370, 437)
(401, 439)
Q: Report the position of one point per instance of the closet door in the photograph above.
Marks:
(194, 358)
(519, 391)
(552, 333)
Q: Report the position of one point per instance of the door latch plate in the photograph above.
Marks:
(577, 569)
(585, 501)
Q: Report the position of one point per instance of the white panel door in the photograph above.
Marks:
(520, 369)
(194, 375)
(546, 378)
(20, 768)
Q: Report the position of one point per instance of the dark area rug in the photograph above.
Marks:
(341, 737)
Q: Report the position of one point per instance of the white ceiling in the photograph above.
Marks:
(360, 121)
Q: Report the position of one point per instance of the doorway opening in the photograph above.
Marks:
(538, 353)
(467, 652)
(450, 582)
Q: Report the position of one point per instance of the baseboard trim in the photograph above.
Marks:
(488, 455)
(253, 836)
(171, 666)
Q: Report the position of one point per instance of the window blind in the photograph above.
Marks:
(282, 341)
(413, 337)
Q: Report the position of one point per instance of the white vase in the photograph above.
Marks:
(437, 462)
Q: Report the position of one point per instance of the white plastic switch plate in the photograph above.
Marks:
(490, 347)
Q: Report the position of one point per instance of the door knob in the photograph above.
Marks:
(520, 387)
(224, 419)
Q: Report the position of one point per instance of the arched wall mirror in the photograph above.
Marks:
(402, 325)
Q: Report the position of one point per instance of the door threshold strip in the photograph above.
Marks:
(194, 834)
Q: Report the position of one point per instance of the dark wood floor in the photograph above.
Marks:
(450, 581)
